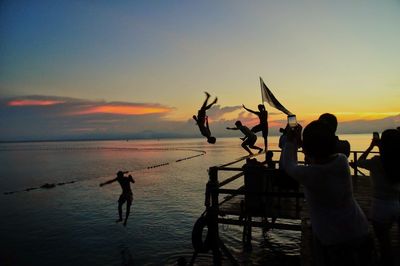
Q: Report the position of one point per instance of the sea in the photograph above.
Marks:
(71, 220)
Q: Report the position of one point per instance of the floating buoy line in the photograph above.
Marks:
(53, 185)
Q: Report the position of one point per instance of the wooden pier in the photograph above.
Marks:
(263, 197)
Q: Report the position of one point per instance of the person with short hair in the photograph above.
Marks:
(250, 138)
(341, 146)
(126, 196)
(339, 226)
(202, 119)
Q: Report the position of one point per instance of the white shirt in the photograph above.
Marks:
(335, 215)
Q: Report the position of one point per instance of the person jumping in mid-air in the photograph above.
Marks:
(126, 196)
(263, 125)
(202, 119)
(249, 139)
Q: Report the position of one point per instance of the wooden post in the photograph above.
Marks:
(212, 213)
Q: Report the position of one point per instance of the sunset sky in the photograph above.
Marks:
(114, 68)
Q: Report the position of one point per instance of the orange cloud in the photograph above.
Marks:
(123, 110)
(33, 102)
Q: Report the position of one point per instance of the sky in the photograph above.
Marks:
(104, 69)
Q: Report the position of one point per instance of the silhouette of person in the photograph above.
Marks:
(126, 196)
(263, 124)
(339, 226)
(385, 209)
(250, 138)
(268, 160)
(202, 119)
(341, 146)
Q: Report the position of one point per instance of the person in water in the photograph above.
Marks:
(263, 125)
(250, 138)
(202, 119)
(126, 196)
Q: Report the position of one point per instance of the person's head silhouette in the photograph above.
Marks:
(211, 140)
(318, 140)
(330, 120)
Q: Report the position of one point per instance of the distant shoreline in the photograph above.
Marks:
(131, 139)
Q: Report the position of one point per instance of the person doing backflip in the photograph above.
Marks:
(250, 138)
(202, 119)
(263, 125)
(126, 196)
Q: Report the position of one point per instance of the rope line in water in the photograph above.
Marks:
(52, 185)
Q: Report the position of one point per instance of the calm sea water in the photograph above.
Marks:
(73, 223)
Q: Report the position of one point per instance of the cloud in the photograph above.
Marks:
(71, 118)
(32, 102)
(217, 112)
(46, 117)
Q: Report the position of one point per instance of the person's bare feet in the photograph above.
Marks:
(125, 222)
(208, 95)
(119, 220)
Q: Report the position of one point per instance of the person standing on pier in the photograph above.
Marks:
(263, 124)
(126, 196)
(385, 209)
(250, 138)
(202, 119)
(341, 146)
(340, 228)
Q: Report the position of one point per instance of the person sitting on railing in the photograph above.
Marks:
(385, 209)
(339, 226)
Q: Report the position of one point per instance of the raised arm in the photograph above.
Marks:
(108, 182)
(131, 179)
(249, 110)
(374, 143)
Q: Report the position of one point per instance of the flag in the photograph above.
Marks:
(268, 97)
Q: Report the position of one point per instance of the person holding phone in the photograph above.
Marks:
(385, 178)
(339, 226)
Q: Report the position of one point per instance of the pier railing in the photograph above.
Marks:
(216, 187)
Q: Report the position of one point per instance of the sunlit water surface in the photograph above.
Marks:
(74, 223)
